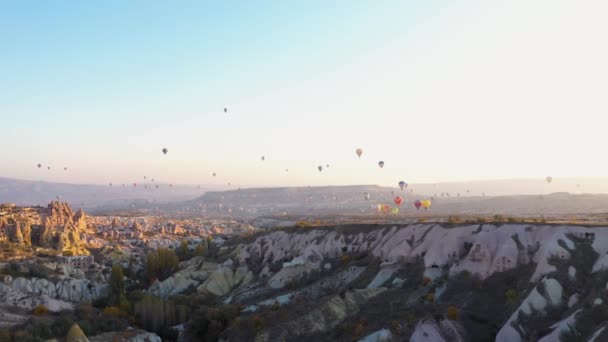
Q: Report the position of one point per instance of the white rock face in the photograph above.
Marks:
(383, 276)
(130, 335)
(573, 300)
(68, 289)
(534, 301)
(494, 249)
(11, 297)
(427, 331)
(291, 273)
(224, 279)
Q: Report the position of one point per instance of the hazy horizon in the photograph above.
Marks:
(440, 91)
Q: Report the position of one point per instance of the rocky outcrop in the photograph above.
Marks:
(224, 279)
(10, 297)
(60, 213)
(323, 318)
(536, 301)
(75, 334)
(129, 335)
(69, 289)
(490, 248)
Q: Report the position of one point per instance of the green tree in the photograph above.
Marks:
(184, 252)
(117, 285)
(201, 249)
(161, 264)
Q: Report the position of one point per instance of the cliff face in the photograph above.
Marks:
(504, 282)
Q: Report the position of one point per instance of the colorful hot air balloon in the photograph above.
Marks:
(549, 179)
(165, 150)
(359, 152)
(398, 200)
(402, 185)
(418, 204)
(381, 164)
(320, 168)
(426, 204)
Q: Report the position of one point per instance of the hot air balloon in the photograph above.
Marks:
(366, 196)
(398, 200)
(381, 164)
(65, 169)
(320, 168)
(263, 158)
(225, 110)
(327, 166)
(214, 174)
(359, 152)
(286, 170)
(402, 185)
(549, 179)
(395, 211)
(48, 167)
(165, 150)
(39, 165)
(418, 204)
(110, 184)
(134, 185)
(426, 204)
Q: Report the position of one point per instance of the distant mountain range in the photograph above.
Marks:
(448, 198)
(352, 200)
(89, 196)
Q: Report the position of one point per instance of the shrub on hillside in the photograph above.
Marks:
(454, 219)
(510, 296)
(303, 224)
(40, 310)
(452, 313)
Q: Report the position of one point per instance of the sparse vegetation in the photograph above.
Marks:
(40, 310)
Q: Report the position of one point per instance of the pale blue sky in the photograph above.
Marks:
(439, 90)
